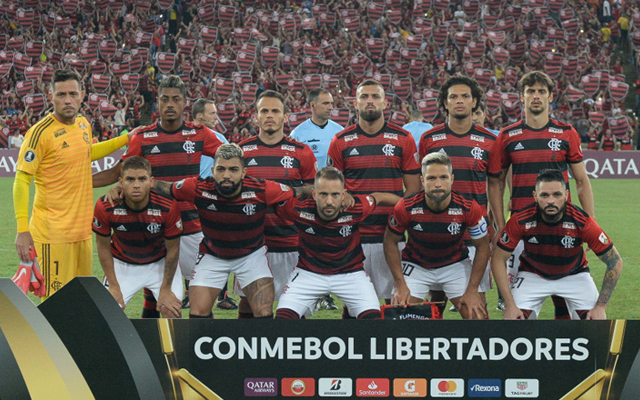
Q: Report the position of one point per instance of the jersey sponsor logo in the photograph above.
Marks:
(504, 239)
(121, 228)
(568, 225)
(477, 153)
(349, 138)
(568, 242)
(82, 125)
(155, 213)
(306, 215)
(287, 148)
(354, 152)
(59, 132)
(533, 240)
(418, 210)
(153, 228)
(29, 156)
(410, 387)
(603, 238)
(455, 211)
(554, 144)
(155, 150)
(519, 146)
(178, 185)
(344, 219)
(486, 388)
(335, 387)
(440, 136)
(249, 209)
(298, 387)
(96, 223)
(209, 196)
(524, 388)
(252, 163)
(212, 207)
(392, 136)
(249, 195)
(284, 187)
(310, 231)
(150, 134)
(418, 228)
(64, 145)
(555, 130)
(477, 138)
(189, 147)
(287, 162)
(372, 387)
(250, 147)
(454, 228)
(119, 211)
(530, 225)
(189, 132)
(388, 150)
(515, 132)
(447, 387)
(346, 230)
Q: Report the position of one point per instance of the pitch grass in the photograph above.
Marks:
(617, 210)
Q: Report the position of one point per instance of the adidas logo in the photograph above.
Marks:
(442, 151)
(354, 152)
(121, 228)
(252, 163)
(155, 150)
(533, 240)
(64, 145)
(519, 146)
(212, 207)
(418, 227)
(310, 231)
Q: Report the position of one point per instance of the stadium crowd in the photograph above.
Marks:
(232, 51)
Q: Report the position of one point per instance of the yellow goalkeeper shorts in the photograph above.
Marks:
(61, 262)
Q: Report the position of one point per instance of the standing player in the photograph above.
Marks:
(174, 149)
(375, 157)
(529, 146)
(271, 155)
(467, 145)
(57, 152)
(331, 257)
(479, 115)
(232, 208)
(317, 131)
(435, 255)
(416, 125)
(144, 247)
(554, 262)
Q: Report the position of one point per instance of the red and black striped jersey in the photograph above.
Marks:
(554, 250)
(435, 239)
(138, 236)
(528, 151)
(469, 154)
(175, 156)
(289, 162)
(232, 227)
(374, 163)
(328, 247)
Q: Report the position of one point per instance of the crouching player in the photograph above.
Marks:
(144, 247)
(331, 257)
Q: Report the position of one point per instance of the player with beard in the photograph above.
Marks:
(375, 156)
(435, 255)
(529, 146)
(468, 146)
(272, 155)
(232, 208)
(553, 261)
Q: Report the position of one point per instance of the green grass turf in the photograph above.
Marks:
(617, 211)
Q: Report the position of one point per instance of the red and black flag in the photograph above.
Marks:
(206, 14)
(26, 18)
(422, 26)
(392, 56)
(553, 64)
(140, 52)
(70, 6)
(101, 82)
(471, 27)
(308, 24)
(416, 67)
(312, 81)
(596, 117)
(47, 73)
(289, 62)
(6, 57)
(535, 50)
(529, 26)
(88, 52)
(97, 67)
(429, 108)
(516, 50)
(311, 50)
(226, 14)
(571, 25)
(165, 4)
(249, 93)
(95, 99)
(375, 47)
(341, 116)
(512, 109)
(555, 33)
(506, 25)
(566, 14)
(283, 79)
(270, 55)
(226, 112)
(107, 48)
(483, 77)
(296, 119)
(327, 18)
(224, 87)
(440, 34)
(48, 22)
(556, 5)
(21, 62)
(34, 49)
(514, 11)
(207, 63)
(497, 37)
(328, 51)
(37, 102)
(618, 90)
(359, 64)
(590, 84)
(245, 60)
(540, 12)
(240, 78)
(34, 73)
(619, 125)
(402, 88)
(68, 31)
(119, 69)
(241, 35)
(476, 49)
(375, 10)
(16, 43)
(223, 65)
(430, 94)
(470, 7)
(24, 87)
(490, 21)
(414, 42)
(441, 5)
(500, 55)
(295, 85)
(107, 109)
(409, 54)
(166, 62)
(493, 100)
(511, 76)
(135, 63)
(143, 39)
(397, 118)
(384, 80)
(129, 82)
(395, 15)
(570, 66)
(604, 77)
(209, 35)
(186, 45)
(462, 38)
(351, 24)
(471, 66)
(573, 93)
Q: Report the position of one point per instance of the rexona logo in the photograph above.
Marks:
(372, 387)
(261, 387)
(485, 388)
(447, 387)
(298, 387)
(521, 388)
(335, 387)
(414, 387)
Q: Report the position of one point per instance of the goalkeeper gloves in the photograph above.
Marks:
(29, 278)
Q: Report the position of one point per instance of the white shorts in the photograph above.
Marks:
(281, 265)
(531, 290)
(304, 288)
(485, 283)
(513, 263)
(133, 277)
(213, 272)
(375, 265)
(452, 279)
(189, 248)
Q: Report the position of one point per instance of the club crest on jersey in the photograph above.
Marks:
(555, 130)
(344, 219)
(250, 147)
(287, 148)
(96, 223)
(189, 147)
(515, 132)
(29, 156)
(119, 211)
(150, 134)
(454, 228)
(284, 187)
(389, 149)
(418, 210)
(392, 136)
(349, 138)
(439, 136)
(189, 132)
(530, 225)
(477, 138)
(603, 238)
(455, 211)
(345, 230)
(209, 196)
(248, 195)
(554, 144)
(249, 209)
(153, 228)
(477, 153)
(154, 213)
(287, 162)
(568, 225)
(307, 215)
(568, 242)
(504, 239)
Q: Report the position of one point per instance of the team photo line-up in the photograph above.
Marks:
(370, 212)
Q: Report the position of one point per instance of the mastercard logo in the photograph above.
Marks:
(447, 386)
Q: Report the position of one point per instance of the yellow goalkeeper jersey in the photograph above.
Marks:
(59, 158)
